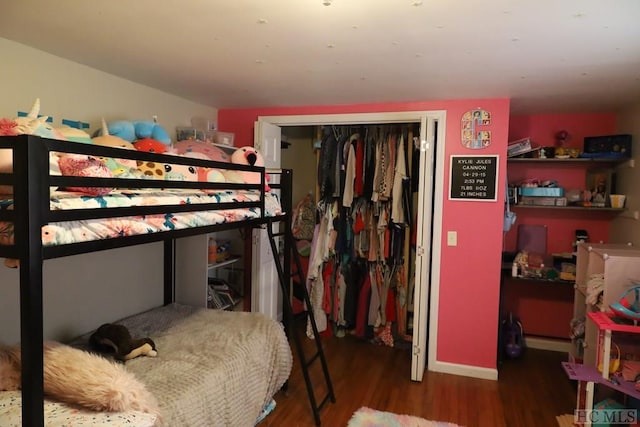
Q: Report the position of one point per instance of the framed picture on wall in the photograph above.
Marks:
(601, 183)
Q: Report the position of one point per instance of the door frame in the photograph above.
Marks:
(430, 235)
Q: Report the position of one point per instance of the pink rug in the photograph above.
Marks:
(367, 417)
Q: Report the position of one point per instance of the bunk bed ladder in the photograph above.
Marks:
(300, 281)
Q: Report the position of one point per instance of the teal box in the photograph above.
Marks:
(605, 405)
(542, 191)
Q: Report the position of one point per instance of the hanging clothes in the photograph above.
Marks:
(326, 165)
(350, 172)
(397, 208)
(358, 245)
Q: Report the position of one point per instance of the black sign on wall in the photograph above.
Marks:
(473, 178)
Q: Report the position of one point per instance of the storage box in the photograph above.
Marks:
(542, 191)
(542, 201)
(614, 146)
(520, 146)
(213, 136)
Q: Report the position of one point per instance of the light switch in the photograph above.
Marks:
(452, 238)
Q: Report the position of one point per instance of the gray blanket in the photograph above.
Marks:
(214, 368)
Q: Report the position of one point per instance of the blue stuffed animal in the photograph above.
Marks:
(134, 130)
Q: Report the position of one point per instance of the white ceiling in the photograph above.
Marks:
(546, 55)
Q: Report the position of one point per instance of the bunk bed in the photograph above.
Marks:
(39, 222)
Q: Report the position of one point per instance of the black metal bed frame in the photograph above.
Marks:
(31, 211)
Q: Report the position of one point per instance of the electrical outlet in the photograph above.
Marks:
(155, 119)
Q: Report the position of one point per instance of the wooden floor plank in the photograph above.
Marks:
(530, 392)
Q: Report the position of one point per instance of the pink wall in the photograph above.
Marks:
(541, 128)
(469, 272)
(528, 299)
(561, 224)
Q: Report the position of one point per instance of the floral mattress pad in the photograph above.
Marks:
(59, 233)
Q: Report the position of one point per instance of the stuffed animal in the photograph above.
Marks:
(133, 131)
(210, 151)
(124, 168)
(107, 140)
(250, 156)
(83, 165)
(180, 173)
(31, 124)
(74, 134)
(116, 339)
(150, 145)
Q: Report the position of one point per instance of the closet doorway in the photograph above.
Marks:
(428, 217)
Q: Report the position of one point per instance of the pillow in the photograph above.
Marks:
(81, 165)
(205, 174)
(180, 172)
(209, 150)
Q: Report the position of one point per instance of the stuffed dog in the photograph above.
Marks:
(116, 339)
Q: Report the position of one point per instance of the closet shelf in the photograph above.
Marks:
(569, 160)
(542, 281)
(578, 208)
(230, 260)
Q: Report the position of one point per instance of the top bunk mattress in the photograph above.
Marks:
(108, 192)
(67, 232)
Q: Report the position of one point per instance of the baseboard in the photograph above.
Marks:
(464, 370)
(550, 344)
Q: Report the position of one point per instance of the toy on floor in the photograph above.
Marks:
(116, 339)
(513, 337)
(628, 307)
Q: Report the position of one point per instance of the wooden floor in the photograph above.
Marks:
(530, 391)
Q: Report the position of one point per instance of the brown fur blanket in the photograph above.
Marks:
(81, 378)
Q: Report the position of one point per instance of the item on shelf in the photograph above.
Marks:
(631, 370)
(607, 405)
(617, 200)
(223, 250)
(212, 250)
(568, 271)
(221, 294)
(614, 364)
(562, 136)
(566, 153)
(547, 152)
(541, 191)
(518, 147)
(628, 306)
(601, 183)
(542, 201)
(607, 146)
(581, 236)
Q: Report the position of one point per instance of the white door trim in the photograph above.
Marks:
(438, 194)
